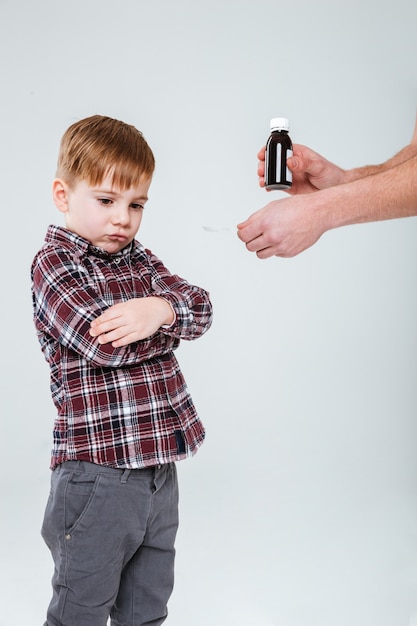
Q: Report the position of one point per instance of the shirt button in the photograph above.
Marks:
(67, 537)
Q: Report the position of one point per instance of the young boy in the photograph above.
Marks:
(109, 316)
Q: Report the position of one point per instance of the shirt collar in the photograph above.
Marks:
(63, 236)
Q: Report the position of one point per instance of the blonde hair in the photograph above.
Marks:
(99, 146)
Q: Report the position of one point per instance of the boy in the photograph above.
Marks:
(108, 316)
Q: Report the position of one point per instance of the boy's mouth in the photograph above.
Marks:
(117, 237)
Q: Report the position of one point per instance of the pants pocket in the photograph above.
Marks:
(79, 495)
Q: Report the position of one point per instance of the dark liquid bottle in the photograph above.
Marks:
(278, 150)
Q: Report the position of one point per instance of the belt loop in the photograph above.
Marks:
(125, 476)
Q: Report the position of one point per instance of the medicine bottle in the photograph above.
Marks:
(278, 150)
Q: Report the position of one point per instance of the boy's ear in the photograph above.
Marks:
(60, 195)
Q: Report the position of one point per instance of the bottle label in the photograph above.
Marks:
(288, 172)
(278, 162)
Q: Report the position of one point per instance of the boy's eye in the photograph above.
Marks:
(105, 201)
(136, 206)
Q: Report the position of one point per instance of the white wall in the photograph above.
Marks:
(301, 507)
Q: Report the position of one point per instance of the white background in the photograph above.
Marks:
(301, 507)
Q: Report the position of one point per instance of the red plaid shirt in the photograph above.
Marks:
(125, 407)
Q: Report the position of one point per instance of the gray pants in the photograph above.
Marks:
(111, 534)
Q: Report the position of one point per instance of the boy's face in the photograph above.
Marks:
(107, 217)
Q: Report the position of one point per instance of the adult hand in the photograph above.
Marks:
(131, 321)
(283, 227)
(310, 170)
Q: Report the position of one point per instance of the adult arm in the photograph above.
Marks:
(287, 227)
(312, 172)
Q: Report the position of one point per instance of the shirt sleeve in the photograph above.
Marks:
(191, 304)
(65, 303)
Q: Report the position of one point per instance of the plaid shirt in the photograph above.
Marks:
(126, 407)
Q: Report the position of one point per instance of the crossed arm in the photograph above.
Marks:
(133, 320)
(71, 312)
(289, 226)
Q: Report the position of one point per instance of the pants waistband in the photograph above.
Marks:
(95, 468)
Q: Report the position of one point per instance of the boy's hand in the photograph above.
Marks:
(310, 170)
(131, 321)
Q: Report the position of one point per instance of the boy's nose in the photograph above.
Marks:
(121, 216)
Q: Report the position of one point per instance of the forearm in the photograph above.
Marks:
(193, 313)
(387, 194)
(191, 304)
(290, 225)
(65, 309)
(79, 340)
